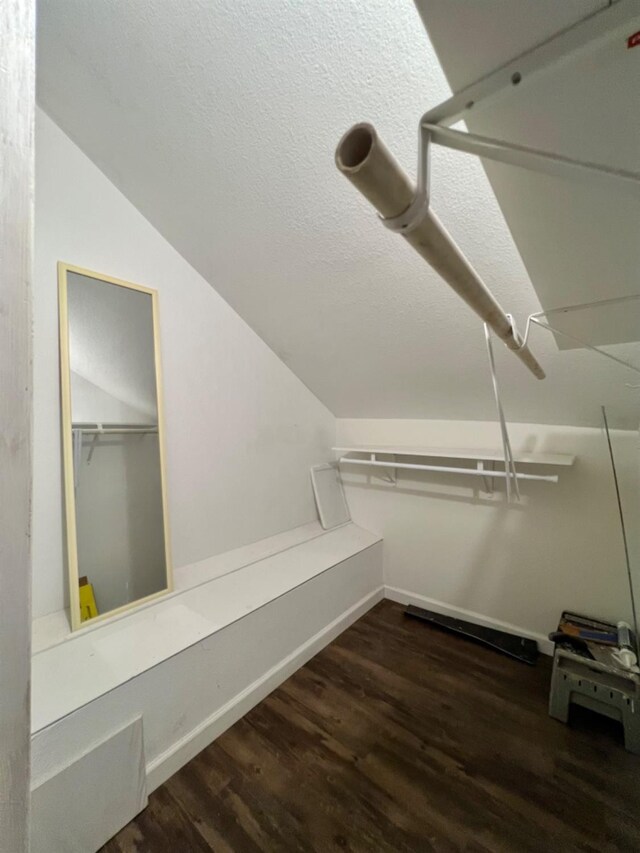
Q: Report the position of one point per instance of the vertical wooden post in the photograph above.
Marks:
(17, 110)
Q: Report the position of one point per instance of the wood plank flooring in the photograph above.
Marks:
(398, 737)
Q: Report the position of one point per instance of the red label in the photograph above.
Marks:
(634, 40)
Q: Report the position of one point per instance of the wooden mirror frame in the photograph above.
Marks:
(67, 445)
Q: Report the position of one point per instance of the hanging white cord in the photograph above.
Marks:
(509, 465)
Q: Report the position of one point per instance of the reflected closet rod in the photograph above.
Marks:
(79, 430)
(99, 429)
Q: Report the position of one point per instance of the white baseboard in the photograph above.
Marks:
(403, 596)
(172, 759)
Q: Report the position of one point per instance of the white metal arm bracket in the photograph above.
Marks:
(540, 318)
(509, 464)
(417, 210)
(526, 157)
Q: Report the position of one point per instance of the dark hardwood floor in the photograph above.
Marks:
(400, 737)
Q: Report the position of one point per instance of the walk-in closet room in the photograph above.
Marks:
(319, 426)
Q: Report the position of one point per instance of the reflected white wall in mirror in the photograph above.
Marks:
(116, 509)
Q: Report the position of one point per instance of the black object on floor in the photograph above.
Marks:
(509, 644)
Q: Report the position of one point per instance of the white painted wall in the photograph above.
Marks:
(242, 430)
(519, 565)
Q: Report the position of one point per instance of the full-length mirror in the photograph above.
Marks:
(117, 535)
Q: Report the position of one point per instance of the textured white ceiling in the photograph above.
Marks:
(219, 122)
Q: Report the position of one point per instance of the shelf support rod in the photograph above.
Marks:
(509, 464)
(537, 319)
(390, 478)
(534, 159)
(488, 485)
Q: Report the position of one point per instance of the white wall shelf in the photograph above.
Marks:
(480, 457)
(532, 458)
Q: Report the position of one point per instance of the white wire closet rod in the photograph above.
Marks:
(446, 469)
(79, 430)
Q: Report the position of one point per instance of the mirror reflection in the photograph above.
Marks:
(116, 523)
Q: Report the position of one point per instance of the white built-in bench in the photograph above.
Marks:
(120, 706)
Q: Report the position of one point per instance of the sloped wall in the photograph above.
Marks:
(241, 429)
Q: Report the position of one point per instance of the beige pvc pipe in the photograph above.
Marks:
(367, 162)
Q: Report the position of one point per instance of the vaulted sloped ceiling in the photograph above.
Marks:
(219, 120)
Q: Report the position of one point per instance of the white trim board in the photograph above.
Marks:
(403, 596)
(170, 761)
(17, 107)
